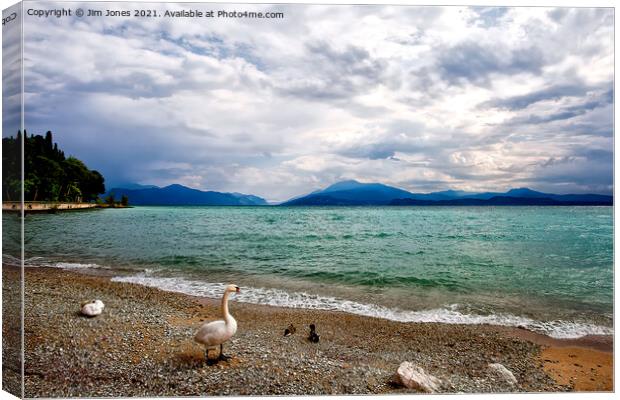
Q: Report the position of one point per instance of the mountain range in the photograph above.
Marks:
(179, 195)
(354, 193)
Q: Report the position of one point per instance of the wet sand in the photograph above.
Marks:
(585, 363)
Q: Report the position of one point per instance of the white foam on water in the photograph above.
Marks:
(34, 262)
(449, 314)
(77, 266)
(10, 260)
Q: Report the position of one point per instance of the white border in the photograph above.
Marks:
(549, 3)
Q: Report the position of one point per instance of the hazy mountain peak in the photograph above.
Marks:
(133, 186)
(177, 194)
(177, 186)
(344, 185)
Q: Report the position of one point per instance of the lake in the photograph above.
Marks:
(549, 269)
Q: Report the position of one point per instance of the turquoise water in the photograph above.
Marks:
(548, 268)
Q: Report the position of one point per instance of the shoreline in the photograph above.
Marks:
(48, 207)
(146, 335)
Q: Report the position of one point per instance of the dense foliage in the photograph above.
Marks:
(49, 176)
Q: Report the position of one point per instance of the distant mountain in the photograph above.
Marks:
(501, 201)
(133, 186)
(453, 193)
(250, 199)
(593, 198)
(584, 198)
(532, 194)
(178, 195)
(353, 193)
(525, 192)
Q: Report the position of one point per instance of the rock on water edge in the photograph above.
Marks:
(504, 373)
(414, 377)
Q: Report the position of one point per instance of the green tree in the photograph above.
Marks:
(93, 186)
(73, 192)
(110, 200)
(12, 168)
(48, 174)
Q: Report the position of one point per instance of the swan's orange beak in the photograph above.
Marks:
(237, 290)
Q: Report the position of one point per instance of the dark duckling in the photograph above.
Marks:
(314, 337)
(290, 330)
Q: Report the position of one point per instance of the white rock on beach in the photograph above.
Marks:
(414, 377)
(504, 373)
(92, 308)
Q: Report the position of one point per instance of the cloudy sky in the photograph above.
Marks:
(422, 98)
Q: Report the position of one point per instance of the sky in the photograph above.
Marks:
(421, 98)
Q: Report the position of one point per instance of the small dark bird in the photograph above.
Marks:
(290, 330)
(314, 337)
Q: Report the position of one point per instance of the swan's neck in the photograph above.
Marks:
(225, 313)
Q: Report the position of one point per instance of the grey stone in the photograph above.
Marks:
(504, 373)
(414, 377)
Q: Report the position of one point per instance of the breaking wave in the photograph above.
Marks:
(448, 314)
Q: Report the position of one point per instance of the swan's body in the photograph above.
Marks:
(216, 333)
(92, 308)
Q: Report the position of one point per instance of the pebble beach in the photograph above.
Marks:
(142, 345)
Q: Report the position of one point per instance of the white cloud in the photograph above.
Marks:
(408, 96)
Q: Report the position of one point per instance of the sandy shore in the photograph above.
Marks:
(142, 345)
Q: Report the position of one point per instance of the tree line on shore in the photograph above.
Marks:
(48, 174)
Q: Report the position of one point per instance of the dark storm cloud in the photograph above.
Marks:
(334, 74)
(354, 60)
(462, 173)
(596, 128)
(374, 151)
(564, 113)
(603, 156)
(595, 156)
(399, 136)
(585, 174)
(555, 92)
(135, 84)
(472, 62)
(388, 149)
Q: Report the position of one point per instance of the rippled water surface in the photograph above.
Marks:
(551, 266)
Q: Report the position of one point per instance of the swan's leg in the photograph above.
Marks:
(222, 356)
(207, 360)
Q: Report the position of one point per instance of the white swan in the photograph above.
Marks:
(92, 308)
(213, 333)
